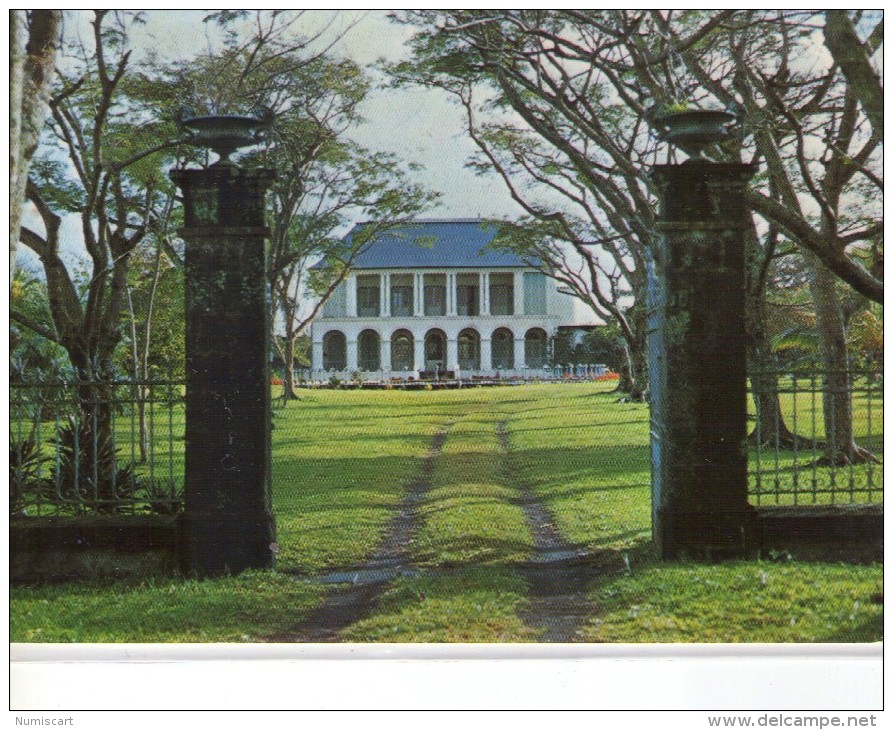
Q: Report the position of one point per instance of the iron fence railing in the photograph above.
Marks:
(107, 447)
(815, 437)
(119, 446)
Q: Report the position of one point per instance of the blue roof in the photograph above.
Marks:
(434, 244)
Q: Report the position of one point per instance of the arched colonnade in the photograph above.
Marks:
(406, 351)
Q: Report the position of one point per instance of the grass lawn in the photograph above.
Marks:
(740, 601)
(468, 605)
(343, 461)
(237, 609)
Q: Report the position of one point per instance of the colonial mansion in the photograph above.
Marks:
(431, 300)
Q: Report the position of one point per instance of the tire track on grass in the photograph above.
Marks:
(350, 603)
(559, 571)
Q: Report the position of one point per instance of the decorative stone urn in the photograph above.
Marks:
(225, 133)
(694, 130)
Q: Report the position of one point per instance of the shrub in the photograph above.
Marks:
(88, 474)
(160, 500)
(25, 462)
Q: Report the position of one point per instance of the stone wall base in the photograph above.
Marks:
(113, 546)
(809, 532)
(827, 532)
(119, 546)
(705, 535)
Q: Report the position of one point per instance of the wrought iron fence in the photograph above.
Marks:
(106, 447)
(816, 437)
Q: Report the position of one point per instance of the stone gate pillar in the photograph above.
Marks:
(697, 361)
(228, 522)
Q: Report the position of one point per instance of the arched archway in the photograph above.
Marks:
(402, 350)
(469, 350)
(503, 349)
(334, 350)
(369, 350)
(535, 347)
(435, 350)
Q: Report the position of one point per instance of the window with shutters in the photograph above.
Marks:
(502, 294)
(368, 295)
(435, 295)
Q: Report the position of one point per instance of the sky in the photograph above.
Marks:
(418, 125)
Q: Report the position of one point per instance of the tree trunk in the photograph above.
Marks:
(17, 34)
(289, 392)
(840, 444)
(634, 376)
(32, 64)
(770, 429)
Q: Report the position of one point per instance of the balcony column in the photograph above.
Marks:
(386, 295)
(485, 294)
(385, 354)
(452, 354)
(451, 295)
(353, 362)
(418, 295)
(316, 362)
(519, 352)
(486, 354)
(518, 291)
(419, 346)
(350, 295)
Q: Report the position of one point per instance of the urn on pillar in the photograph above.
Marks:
(228, 521)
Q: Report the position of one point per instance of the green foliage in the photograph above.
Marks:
(866, 336)
(601, 345)
(156, 287)
(25, 464)
(53, 176)
(29, 352)
(105, 158)
(88, 473)
(796, 337)
(798, 344)
(160, 499)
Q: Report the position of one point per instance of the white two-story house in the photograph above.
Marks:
(432, 300)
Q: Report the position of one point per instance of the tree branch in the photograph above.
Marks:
(852, 57)
(37, 327)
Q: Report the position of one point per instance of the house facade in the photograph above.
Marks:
(430, 300)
